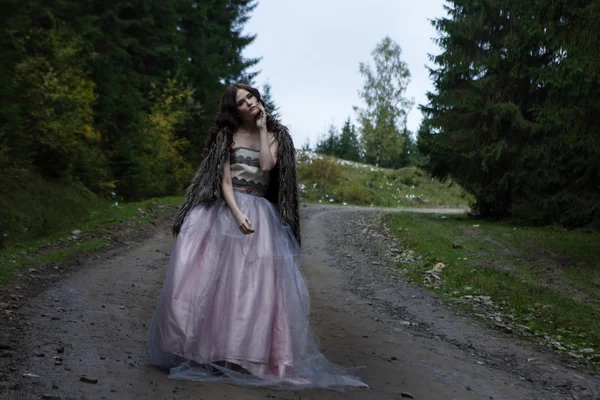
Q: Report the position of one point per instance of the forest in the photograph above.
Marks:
(114, 101)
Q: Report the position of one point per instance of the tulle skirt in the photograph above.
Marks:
(235, 308)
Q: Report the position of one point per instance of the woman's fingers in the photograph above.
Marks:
(246, 227)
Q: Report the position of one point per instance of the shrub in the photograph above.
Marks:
(320, 171)
(354, 193)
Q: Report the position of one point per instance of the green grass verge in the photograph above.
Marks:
(33, 207)
(18, 262)
(549, 278)
(325, 179)
(59, 246)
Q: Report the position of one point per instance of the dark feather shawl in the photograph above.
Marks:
(205, 187)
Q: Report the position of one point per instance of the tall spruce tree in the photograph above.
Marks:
(213, 45)
(267, 98)
(512, 118)
(134, 45)
(349, 148)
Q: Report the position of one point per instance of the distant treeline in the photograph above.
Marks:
(347, 144)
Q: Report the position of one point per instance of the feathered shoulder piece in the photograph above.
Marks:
(205, 187)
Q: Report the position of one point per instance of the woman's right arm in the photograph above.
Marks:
(227, 189)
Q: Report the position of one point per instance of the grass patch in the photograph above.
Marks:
(547, 277)
(55, 256)
(32, 207)
(95, 231)
(140, 211)
(325, 179)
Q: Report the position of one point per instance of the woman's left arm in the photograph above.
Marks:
(268, 144)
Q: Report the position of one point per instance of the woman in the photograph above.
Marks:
(234, 306)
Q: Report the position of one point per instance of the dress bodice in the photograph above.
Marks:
(246, 174)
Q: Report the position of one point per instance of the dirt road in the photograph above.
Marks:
(95, 322)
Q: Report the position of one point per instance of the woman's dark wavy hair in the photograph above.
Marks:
(228, 117)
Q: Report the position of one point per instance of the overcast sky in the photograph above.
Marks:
(311, 49)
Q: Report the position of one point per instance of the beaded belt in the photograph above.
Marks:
(249, 190)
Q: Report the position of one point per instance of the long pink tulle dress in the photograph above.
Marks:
(235, 307)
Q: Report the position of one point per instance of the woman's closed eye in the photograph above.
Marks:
(248, 97)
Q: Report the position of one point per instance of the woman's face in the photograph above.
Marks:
(247, 105)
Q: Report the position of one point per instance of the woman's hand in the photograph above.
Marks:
(244, 223)
(261, 118)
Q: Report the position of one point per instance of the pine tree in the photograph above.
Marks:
(306, 145)
(213, 45)
(511, 119)
(330, 143)
(349, 145)
(267, 98)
